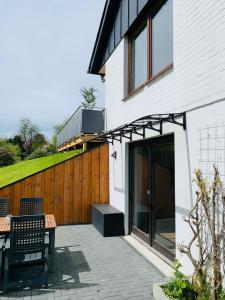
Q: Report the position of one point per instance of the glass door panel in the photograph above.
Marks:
(141, 179)
(164, 196)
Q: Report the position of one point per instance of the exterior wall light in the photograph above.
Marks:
(102, 78)
(114, 154)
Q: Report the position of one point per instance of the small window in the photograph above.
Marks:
(139, 59)
(141, 4)
(132, 11)
(162, 38)
(111, 42)
(124, 7)
(118, 27)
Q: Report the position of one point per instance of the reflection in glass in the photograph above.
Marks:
(139, 59)
(124, 6)
(141, 187)
(162, 38)
(164, 195)
(132, 11)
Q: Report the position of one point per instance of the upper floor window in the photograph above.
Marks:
(162, 38)
(151, 47)
(139, 57)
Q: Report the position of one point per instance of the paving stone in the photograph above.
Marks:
(91, 267)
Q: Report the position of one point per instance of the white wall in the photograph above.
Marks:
(199, 66)
(197, 79)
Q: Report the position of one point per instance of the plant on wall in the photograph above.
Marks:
(206, 248)
(207, 223)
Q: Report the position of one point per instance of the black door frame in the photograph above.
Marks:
(163, 139)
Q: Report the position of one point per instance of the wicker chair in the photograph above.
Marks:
(26, 245)
(31, 206)
(4, 207)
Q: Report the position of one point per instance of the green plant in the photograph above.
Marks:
(40, 152)
(180, 286)
(6, 157)
(207, 223)
(9, 153)
(89, 95)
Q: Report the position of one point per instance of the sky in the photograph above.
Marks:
(45, 49)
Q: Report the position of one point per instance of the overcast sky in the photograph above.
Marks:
(45, 49)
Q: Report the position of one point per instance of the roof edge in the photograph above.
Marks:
(101, 25)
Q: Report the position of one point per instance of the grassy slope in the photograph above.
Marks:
(25, 168)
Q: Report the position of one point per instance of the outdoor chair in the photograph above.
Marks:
(4, 211)
(31, 206)
(4, 207)
(26, 245)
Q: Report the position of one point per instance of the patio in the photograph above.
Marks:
(88, 266)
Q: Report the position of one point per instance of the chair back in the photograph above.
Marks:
(4, 207)
(27, 234)
(31, 206)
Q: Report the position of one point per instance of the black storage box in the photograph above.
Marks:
(108, 220)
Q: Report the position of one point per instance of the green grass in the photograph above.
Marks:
(23, 169)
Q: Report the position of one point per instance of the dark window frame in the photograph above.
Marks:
(131, 36)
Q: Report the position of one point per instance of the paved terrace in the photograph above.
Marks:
(89, 266)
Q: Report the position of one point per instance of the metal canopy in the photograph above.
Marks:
(138, 127)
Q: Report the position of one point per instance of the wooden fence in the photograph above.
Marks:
(68, 188)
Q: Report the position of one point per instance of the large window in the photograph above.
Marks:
(151, 47)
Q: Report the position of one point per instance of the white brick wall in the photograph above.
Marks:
(198, 75)
(197, 79)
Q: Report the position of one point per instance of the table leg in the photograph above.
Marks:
(52, 249)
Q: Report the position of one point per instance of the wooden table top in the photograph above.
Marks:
(50, 223)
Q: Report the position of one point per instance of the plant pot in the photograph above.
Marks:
(158, 292)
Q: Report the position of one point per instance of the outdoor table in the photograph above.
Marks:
(50, 226)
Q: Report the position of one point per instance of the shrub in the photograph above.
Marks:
(40, 152)
(6, 157)
(180, 286)
(9, 153)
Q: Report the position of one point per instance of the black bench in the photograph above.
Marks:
(108, 220)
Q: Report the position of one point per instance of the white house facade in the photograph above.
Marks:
(162, 58)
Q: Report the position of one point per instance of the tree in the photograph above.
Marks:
(39, 141)
(16, 140)
(27, 132)
(89, 95)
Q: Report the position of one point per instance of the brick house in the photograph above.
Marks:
(163, 65)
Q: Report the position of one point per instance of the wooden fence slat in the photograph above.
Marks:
(48, 190)
(104, 174)
(95, 183)
(38, 185)
(85, 188)
(59, 193)
(15, 204)
(89, 185)
(68, 188)
(77, 190)
(67, 191)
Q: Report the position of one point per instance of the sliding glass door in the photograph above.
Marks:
(152, 193)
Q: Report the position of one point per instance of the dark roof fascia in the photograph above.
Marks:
(104, 31)
(103, 34)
